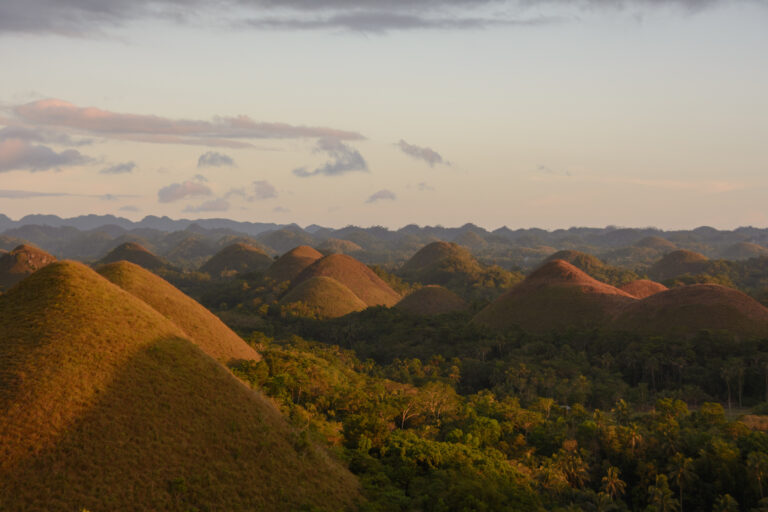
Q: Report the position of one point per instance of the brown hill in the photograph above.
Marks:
(339, 246)
(288, 266)
(657, 243)
(21, 262)
(105, 406)
(356, 276)
(438, 261)
(135, 253)
(595, 267)
(743, 251)
(689, 309)
(237, 259)
(557, 296)
(199, 325)
(323, 297)
(643, 288)
(432, 300)
(677, 263)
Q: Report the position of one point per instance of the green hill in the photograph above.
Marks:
(432, 300)
(595, 267)
(677, 263)
(237, 259)
(135, 253)
(104, 405)
(323, 297)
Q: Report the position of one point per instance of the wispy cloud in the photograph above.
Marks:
(425, 187)
(214, 205)
(381, 195)
(129, 208)
(343, 159)
(263, 189)
(30, 194)
(214, 159)
(280, 209)
(177, 191)
(18, 154)
(41, 136)
(123, 168)
(544, 169)
(428, 155)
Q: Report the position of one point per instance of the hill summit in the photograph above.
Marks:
(288, 266)
(21, 262)
(135, 253)
(237, 258)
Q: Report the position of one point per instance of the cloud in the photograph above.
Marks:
(213, 159)
(425, 187)
(543, 169)
(201, 178)
(29, 194)
(263, 189)
(129, 208)
(382, 195)
(18, 154)
(343, 159)
(156, 129)
(177, 191)
(280, 209)
(123, 168)
(429, 155)
(214, 205)
(41, 136)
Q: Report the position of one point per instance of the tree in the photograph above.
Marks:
(612, 484)
(726, 503)
(681, 472)
(660, 496)
(757, 465)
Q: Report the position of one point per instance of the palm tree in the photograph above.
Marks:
(757, 463)
(681, 472)
(612, 484)
(660, 496)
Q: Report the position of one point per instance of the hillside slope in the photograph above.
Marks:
(432, 300)
(288, 266)
(135, 253)
(237, 258)
(324, 297)
(21, 262)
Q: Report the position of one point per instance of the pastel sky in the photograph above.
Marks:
(499, 112)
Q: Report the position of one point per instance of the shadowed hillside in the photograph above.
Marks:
(135, 253)
(288, 266)
(323, 297)
(643, 288)
(677, 263)
(21, 262)
(237, 259)
(595, 267)
(105, 406)
(557, 296)
(356, 276)
(432, 300)
(743, 251)
(338, 246)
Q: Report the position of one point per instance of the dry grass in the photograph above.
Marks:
(21, 262)
(325, 297)
(643, 288)
(200, 325)
(235, 259)
(292, 263)
(354, 275)
(432, 300)
(135, 253)
(105, 405)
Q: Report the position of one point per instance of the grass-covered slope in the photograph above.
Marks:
(642, 288)
(557, 296)
(356, 276)
(288, 266)
(324, 297)
(200, 325)
(677, 263)
(236, 259)
(432, 300)
(135, 253)
(105, 406)
(595, 267)
(20, 262)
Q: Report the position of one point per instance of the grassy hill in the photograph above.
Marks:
(21, 262)
(288, 266)
(432, 300)
(199, 325)
(237, 259)
(135, 253)
(677, 263)
(105, 405)
(339, 246)
(595, 267)
(743, 251)
(643, 288)
(557, 296)
(322, 297)
(356, 276)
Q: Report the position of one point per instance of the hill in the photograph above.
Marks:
(339, 246)
(743, 251)
(655, 242)
(21, 262)
(288, 266)
(105, 406)
(356, 276)
(432, 300)
(677, 263)
(135, 253)
(643, 288)
(199, 325)
(555, 297)
(594, 267)
(237, 259)
(323, 297)
(689, 309)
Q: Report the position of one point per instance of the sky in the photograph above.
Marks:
(524, 113)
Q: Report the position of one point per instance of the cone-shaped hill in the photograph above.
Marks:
(200, 325)
(677, 263)
(324, 297)
(643, 288)
(288, 266)
(594, 267)
(104, 405)
(687, 310)
(744, 251)
(237, 259)
(356, 276)
(21, 262)
(557, 296)
(432, 300)
(135, 253)
(339, 246)
(656, 243)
